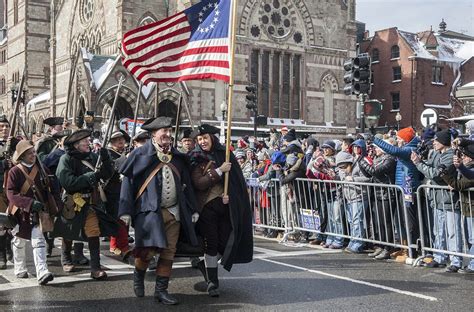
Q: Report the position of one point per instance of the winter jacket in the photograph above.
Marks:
(247, 169)
(407, 175)
(458, 182)
(432, 169)
(382, 171)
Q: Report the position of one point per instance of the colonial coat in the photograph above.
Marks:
(75, 177)
(239, 247)
(146, 214)
(45, 146)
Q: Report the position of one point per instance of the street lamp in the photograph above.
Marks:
(223, 108)
(398, 118)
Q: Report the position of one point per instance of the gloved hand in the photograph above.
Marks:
(36, 206)
(102, 174)
(104, 154)
(127, 219)
(195, 217)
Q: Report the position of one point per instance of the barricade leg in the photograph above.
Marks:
(470, 233)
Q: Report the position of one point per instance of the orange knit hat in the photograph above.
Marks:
(406, 134)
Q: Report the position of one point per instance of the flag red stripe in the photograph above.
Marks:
(154, 52)
(194, 51)
(156, 41)
(156, 31)
(177, 68)
(148, 26)
(190, 77)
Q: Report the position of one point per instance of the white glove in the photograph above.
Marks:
(127, 219)
(195, 217)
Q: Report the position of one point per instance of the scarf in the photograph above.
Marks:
(199, 156)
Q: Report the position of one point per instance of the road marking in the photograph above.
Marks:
(270, 253)
(387, 288)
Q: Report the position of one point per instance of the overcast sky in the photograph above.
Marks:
(416, 15)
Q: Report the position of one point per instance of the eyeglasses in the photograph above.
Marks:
(343, 166)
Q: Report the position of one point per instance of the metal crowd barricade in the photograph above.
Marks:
(376, 213)
(446, 222)
(269, 212)
(362, 212)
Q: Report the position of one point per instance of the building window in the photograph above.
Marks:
(395, 52)
(278, 76)
(397, 73)
(3, 85)
(396, 101)
(46, 72)
(15, 12)
(375, 55)
(437, 76)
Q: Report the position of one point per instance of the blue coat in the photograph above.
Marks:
(146, 211)
(406, 174)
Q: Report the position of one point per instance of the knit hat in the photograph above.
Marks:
(312, 142)
(428, 134)
(344, 158)
(406, 134)
(443, 137)
(239, 154)
(329, 144)
(278, 158)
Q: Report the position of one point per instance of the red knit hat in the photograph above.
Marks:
(406, 134)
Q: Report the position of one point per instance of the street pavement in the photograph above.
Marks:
(281, 278)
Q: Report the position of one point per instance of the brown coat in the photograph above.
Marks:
(204, 177)
(20, 204)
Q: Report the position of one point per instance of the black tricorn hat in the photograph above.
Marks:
(77, 136)
(54, 121)
(187, 133)
(3, 118)
(63, 133)
(141, 135)
(204, 129)
(157, 123)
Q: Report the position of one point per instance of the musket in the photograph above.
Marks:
(178, 115)
(13, 118)
(135, 116)
(110, 124)
(185, 89)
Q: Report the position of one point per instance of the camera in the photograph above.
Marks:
(423, 149)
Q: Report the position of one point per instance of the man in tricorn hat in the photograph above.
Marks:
(140, 138)
(187, 143)
(158, 200)
(226, 220)
(83, 217)
(50, 142)
(6, 150)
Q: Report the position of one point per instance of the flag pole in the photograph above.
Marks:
(231, 92)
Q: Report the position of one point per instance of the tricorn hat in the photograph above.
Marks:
(141, 135)
(186, 134)
(54, 121)
(118, 133)
(63, 133)
(77, 136)
(204, 129)
(20, 149)
(157, 123)
(3, 118)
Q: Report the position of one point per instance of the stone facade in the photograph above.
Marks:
(292, 49)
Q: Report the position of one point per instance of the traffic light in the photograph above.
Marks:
(251, 97)
(349, 76)
(362, 74)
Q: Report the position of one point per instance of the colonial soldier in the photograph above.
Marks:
(157, 197)
(225, 223)
(32, 203)
(116, 148)
(140, 138)
(50, 142)
(5, 165)
(187, 143)
(83, 217)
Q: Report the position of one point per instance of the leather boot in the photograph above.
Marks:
(139, 282)
(79, 258)
(66, 257)
(3, 252)
(94, 248)
(9, 247)
(161, 291)
(213, 282)
(49, 244)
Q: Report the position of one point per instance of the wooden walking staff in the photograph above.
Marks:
(231, 92)
(135, 116)
(178, 115)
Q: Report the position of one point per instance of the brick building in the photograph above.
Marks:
(413, 72)
(293, 50)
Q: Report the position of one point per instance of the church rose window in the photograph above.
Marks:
(87, 11)
(276, 18)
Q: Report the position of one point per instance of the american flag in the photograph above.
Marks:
(190, 45)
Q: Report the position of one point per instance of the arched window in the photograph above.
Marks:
(2, 85)
(375, 55)
(328, 102)
(15, 12)
(395, 52)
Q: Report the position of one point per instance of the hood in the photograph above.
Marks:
(360, 143)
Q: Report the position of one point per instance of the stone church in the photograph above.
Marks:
(70, 51)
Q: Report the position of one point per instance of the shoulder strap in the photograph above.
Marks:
(30, 180)
(88, 165)
(148, 180)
